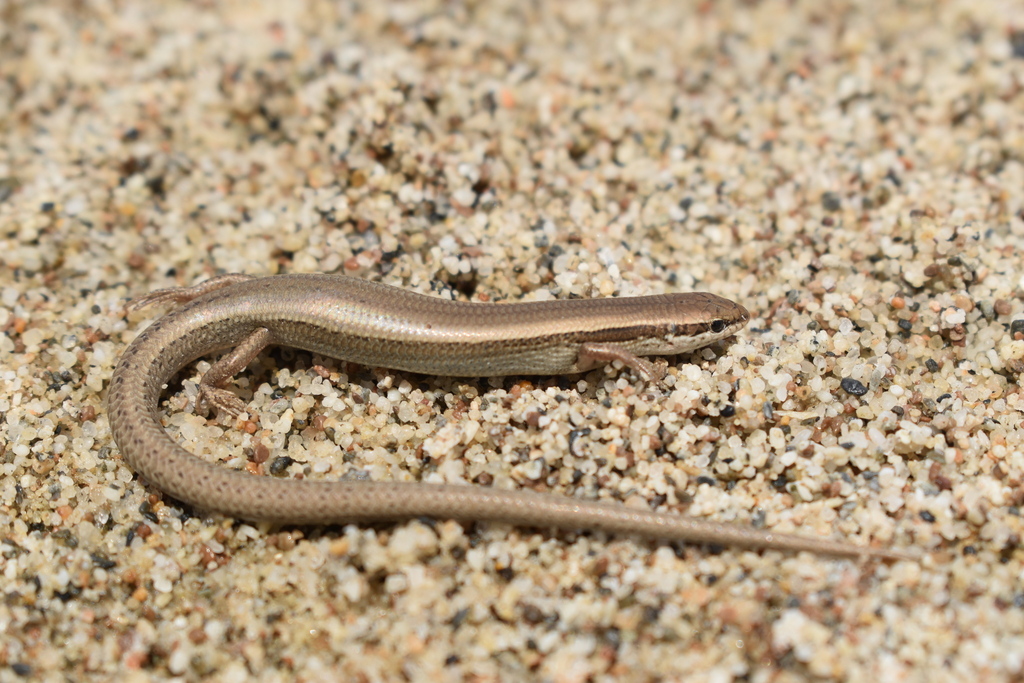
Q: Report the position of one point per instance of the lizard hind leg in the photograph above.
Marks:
(211, 386)
(181, 295)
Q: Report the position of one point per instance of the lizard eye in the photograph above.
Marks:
(717, 326)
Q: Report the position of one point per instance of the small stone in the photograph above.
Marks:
(853, 387)
(831, 201)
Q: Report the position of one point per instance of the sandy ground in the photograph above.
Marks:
(852, 172)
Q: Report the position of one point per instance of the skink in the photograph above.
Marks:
(378, 325)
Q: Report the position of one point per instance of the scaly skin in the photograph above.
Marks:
(377, 325)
